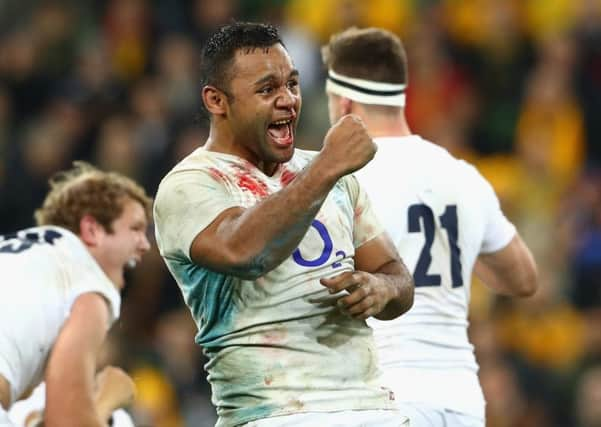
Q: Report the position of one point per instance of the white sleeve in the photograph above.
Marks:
(83, 275)
(187, 203)
(498, 230)
(106, 290)
(366, 225)
(110, 295)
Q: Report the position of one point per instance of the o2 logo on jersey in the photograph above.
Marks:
(15, 243)
(326, 252)
(448, 220)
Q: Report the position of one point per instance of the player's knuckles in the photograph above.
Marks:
(337, 287)
(342, 302)
(351, 120)
(369, 301)
(358, 277)
(363, 290)
(355, 309)
(340, 277)
(353, 298)
(334, 284)
(360, 307)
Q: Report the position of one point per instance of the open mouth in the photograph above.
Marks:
(281, 132)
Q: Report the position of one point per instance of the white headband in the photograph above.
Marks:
(366, 91)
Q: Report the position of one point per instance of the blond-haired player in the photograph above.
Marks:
(60, 290)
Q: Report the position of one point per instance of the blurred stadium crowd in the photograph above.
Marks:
(511, 85)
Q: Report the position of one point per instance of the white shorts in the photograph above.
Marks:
(375, 418)
(423, 415)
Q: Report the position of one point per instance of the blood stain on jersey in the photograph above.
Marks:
(358, 211)
(217, 175)
(248, 182)
(268, 379)
(287, 177)
(274, 336)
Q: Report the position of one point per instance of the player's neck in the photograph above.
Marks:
(222, 140)
(385, 125)
(113, 271)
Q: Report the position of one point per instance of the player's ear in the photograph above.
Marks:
(214, 100)
(346, 105)
(89, 230)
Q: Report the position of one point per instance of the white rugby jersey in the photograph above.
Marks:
(44, 269)
(278, 344)
(440, 213)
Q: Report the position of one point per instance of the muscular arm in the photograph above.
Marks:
(250, 242)
(381, 286)
(509, 271)
(70, 370)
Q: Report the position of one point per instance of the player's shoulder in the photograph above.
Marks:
(199, 164)
(40, 231)
(412, 151)
(198, 159)
(443, 156)
(434, 152)
(46, 236)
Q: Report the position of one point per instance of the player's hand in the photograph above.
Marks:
(114, 389)
(347, 146)
(365, 297)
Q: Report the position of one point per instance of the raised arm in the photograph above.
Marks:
(509, 271)
(250, 242)
(71, 366)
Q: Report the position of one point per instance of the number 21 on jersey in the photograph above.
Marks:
(421, 220)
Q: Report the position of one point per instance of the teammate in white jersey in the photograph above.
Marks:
(263, 240)
(61, 290)
(444, 219)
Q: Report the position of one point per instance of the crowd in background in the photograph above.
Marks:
(513, 86)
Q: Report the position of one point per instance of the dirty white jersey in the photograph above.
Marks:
(44, 269)
(441, 213)
(277, 345)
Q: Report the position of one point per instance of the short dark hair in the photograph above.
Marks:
(367, 53)
(219, 50)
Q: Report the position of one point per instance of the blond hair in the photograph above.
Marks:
(86, 190)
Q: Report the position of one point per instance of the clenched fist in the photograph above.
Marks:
(347, 146)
